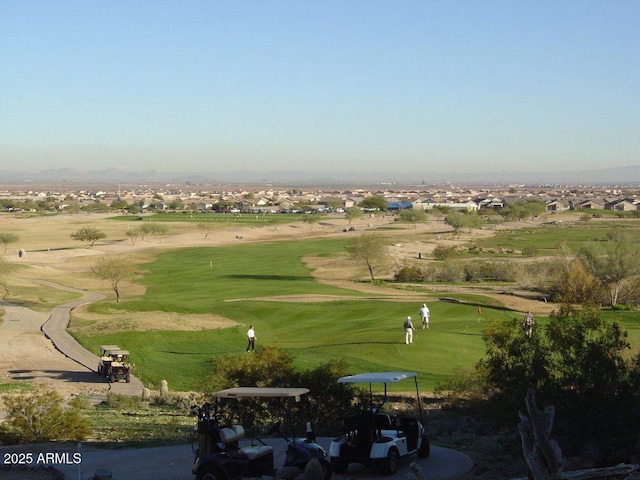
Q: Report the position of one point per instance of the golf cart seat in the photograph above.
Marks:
(382, 421)
(230, 438)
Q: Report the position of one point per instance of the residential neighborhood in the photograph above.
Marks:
(243, 199)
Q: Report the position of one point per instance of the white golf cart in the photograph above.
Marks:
(224, 453)
(375, 438)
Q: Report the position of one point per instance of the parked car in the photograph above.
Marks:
(375, 438)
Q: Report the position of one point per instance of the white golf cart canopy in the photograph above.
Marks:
(376, 377)
(383, 378)
(266, 392)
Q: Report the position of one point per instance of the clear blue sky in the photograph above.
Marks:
(332, 85)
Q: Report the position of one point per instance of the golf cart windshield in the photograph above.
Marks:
(383, 378)
(256, 399)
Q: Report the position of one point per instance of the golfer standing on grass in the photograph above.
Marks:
(408, 331)
(251, 339)
(424, 316)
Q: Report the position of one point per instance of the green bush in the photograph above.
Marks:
(577, 363)
(409, 274)
(41, 417)
(119, 401)
(442, 252)
(270, 367)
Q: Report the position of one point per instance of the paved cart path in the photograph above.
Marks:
(55, 329)
(174, 463)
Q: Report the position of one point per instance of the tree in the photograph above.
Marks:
(114, 270)
(333, 203)
(413, 215)
(153, 228)
(175, 204)
(311, 218)
(88, 234)
(534, 208)
(574, 283)
(374, 202)
(612, 263)
(119, 204)
(206, 228)
(40, 417)
(459, 220)
(132, 235)
(7, 238)
(352, 213)
(368, 248)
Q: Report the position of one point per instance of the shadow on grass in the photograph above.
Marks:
(173, 352)
(287, 278)
(331, 345)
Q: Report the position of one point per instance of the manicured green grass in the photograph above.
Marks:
(367, 334)
(236, 283)
(546, 240)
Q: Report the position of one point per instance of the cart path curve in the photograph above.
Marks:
(55, 329)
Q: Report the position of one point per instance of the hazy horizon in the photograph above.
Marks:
(326, 86)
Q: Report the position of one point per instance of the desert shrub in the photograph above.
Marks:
(409, 274)
(177, 401)
(451, 272)
(41, 417)
(463, 388)
(271, 367)
(495, 271)
(442, 252)
(630, 291)
(119, 401)
(328, 399)
(574, 284)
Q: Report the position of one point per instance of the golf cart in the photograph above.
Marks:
(113, 363)
(375, 438)
(224, 453)
(106, 357)
(120, 368)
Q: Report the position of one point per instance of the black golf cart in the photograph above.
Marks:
(225, 453)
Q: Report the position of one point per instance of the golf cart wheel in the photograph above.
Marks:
(128, 378)
(210, 472)
(425, 449)
(338, 466)
(389, 465)
(326, 469)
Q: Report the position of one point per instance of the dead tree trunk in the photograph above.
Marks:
(542, 454)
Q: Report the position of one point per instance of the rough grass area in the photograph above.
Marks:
(128, 422)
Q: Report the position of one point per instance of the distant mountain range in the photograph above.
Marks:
(629, 175)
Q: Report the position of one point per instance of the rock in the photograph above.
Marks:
(164, 389)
